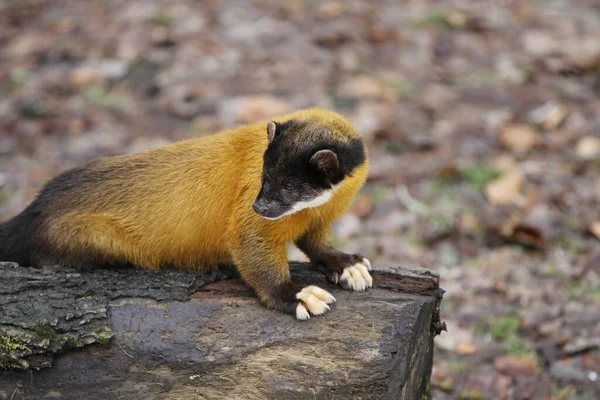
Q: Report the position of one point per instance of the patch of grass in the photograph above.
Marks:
(515, 347)
(437, 20)
(18, 77)
(458, 367)
(471, 395)
(402, 86)
(477, 176)
(100, 97)
(162, 18)
(570, 243)
(567, 393)
(438, 186)
(441, 221)
(506, 331)
(341, 102)
(504, 328)
(583, 290)
(413, 239)
(378, 193)
(480, 78)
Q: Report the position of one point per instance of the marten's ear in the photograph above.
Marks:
(273, 129)
(327, 162)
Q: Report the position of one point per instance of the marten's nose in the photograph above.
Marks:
(260, 207)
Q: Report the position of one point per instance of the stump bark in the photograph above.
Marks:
(170, 334)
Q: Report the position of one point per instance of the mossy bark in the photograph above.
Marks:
(203, 334)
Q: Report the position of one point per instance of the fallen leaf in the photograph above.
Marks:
(457, 339)
(583, 53)
(465, 348)
(362, 87)
(86, 76)
(526, 234)
(255, 108)
(361, 206)
(550, 115)
(514, 365)
(331, 9)
(520, 138)
(506, 189)
(588, 147)
(594, 228)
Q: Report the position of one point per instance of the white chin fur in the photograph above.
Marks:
(316, 202)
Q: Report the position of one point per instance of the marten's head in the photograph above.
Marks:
(304, 165)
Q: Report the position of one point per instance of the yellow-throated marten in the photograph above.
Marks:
(201, 202)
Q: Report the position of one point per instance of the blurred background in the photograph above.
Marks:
(482, 120)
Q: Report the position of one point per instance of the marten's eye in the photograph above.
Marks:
(288, 186)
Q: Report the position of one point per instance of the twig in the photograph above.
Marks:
(13, 395)
(126, 353)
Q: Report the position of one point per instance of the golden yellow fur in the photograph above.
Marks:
(192, 205)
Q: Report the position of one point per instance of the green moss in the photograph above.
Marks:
(427, 392)
(44, 333)
(103, 341)
(8, 344)
(73, 343)
(10, 365)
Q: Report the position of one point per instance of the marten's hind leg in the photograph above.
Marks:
(86, 241)
(267, 271)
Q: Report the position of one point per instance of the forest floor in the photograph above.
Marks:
(482, 121)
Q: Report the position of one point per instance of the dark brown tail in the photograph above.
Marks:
(16, 240)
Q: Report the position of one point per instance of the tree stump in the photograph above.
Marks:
(132, 334)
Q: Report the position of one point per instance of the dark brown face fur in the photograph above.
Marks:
(302, 162)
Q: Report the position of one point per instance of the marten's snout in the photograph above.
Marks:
(260, 207)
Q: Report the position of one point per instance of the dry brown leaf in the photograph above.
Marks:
(594, 229)
(550, 115)
(465, 348)
(255, 108)
(527, 235)
(86, 76)
(362, 205)
(513, 365)
(520, 138)
(588, 147)
(504, 163)
(506, 189)
(331, 9)
(362, 87)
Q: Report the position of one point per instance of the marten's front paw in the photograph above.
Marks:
(357, 277)
(312, 300)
